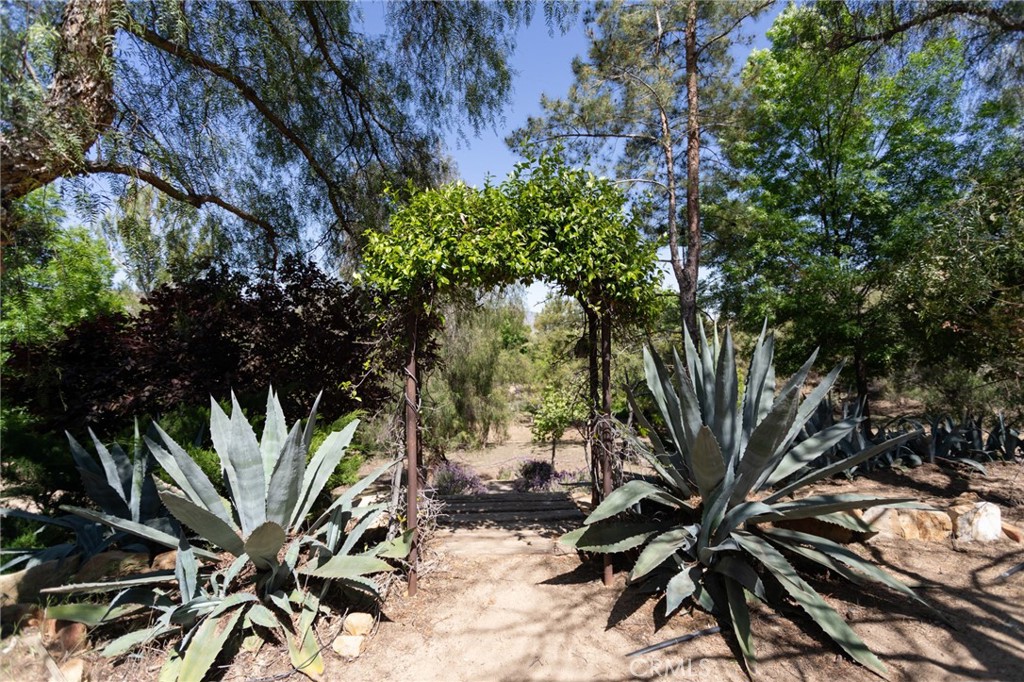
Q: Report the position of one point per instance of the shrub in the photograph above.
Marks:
(452, 478)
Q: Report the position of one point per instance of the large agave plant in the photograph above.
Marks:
(260, 541)
(727, 546)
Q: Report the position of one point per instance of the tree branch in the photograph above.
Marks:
(980, 10)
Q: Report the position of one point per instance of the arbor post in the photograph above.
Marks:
(606, 432)
(412, 450)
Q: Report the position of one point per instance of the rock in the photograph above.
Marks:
(910, 524)
(165, 561)
(1013, 532)
(348, 646)
(978, 521)
(71, 637)
(113, 564)
(358, 624)
(72, 670)
(823, 529)
(24, 586)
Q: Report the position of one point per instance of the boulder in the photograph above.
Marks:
(358, 624)
(24, 586)
(977, 522)
(910, 524)
(113, 564)
(348, 646)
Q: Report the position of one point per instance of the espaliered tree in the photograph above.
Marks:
(546, 222)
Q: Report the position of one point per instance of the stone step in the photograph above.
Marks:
(498, 497)
(511, 518)
(486, 505)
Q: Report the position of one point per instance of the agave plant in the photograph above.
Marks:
(121, 486)
(263, 548)
(729, 545)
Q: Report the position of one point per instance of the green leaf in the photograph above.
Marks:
(764, 442)
(822, 614)
(261, 615)
(682, 585)
(708, 462)
(239, 451)
(320, 468)
(138, 529)
(739, 614)
(610, 537)
(343, 566)
(126, 643)
(818, 505)
(187, 475)
(397, 547)
(208, 526)
(842, 465)
(629, 494)
(660, 549)
(760, 363)
(263, 545)
(275, 430)
(303, 648)
(727, 415)
(206, 645)
(347, 497)
(286, 478)
(810, 449)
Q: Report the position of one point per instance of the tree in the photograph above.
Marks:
(53, 277)
(286, 118)
(837, 165)
(657, 82)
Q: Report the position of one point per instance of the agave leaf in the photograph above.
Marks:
(307, 433)
(275, 430)
(842, 465)
(660, 460)
(760, 362)
(715, 506)
(764, 443)
(137, 529)
(660, 549)
(347, 497)
(302, 645)
(88, 614)
(206, 645)
(808, 450)
(286, 478)
(320, 468)
(356, 534)
(739, 614)
(682, 585)
(738, 515)
(39, 518)
(823, 614)
(154, 578)
(261, 615)
(263, 545)
(186, 571)
(629, 494)
(743, 573)
(96, 482)
(817, 505)
(187, 475)
(397, 547)
(610, 537)
(798, 379)
(208, 526)
(814, 399)
(707, 366)
(126, 643)
(792, 539)
(342, 566)
(116, 466)
(826, 561)
(708, 463)
(727, 418)
(239, 451)
(170, 671)
(679, 413)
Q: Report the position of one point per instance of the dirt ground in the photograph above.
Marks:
(544, 615)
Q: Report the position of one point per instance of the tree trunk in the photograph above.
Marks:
(77, 107)
(688, 283)
(412, 448)
(606, 432)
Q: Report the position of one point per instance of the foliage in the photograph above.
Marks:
(729, 449)
(559, 409)
(52, 277)
(838, 158)
(538, 475)
(273, 566)
(454, 478)
(221, 331)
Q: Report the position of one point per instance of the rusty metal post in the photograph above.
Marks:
(606, 409)
(411, 451)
